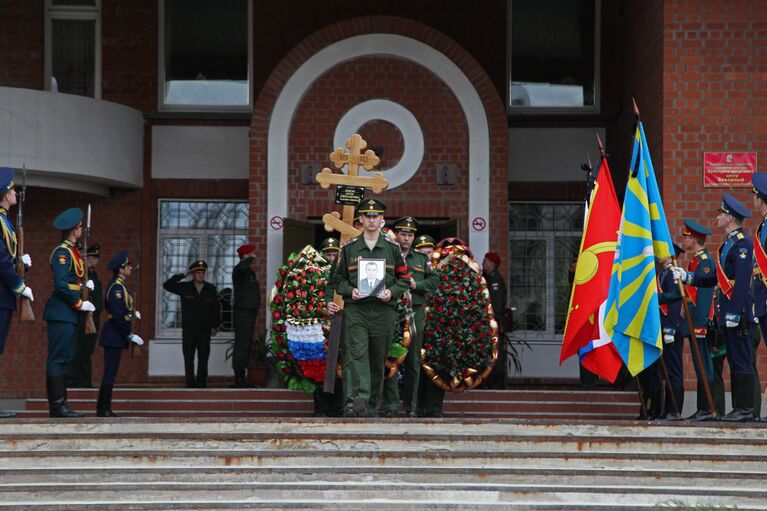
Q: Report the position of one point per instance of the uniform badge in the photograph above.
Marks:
(743, 253)
(118, 295)
(706, 270)
(62, 259)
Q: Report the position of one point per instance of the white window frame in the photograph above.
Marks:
(77, 13)
(548, 335)
(558, 110)
(175, 333)
(162, 107)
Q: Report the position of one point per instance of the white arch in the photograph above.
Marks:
(361, 46)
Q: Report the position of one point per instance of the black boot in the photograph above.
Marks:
(703, 413)
(104, 403)
(742, 398)
(240, 381)
(5, 414)
(674, 413)
(57, 397)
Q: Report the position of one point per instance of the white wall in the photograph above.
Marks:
(200, 152)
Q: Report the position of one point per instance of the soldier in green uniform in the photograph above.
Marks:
(63, 310)
(369, 321)
(200, 318)
(85, 344)
(247, 300)
(497, 288)
(422, 280)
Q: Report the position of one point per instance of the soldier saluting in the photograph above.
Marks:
(11, 284)
(63, 310)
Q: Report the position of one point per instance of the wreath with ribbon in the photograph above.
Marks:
(300, 319)
(461, 334)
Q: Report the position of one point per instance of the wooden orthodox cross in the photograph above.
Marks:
(343, 223)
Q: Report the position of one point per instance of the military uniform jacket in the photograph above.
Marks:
(760, 290)
(344, 280)
(12, 285)
(497, 288)
(247, 291)
(735, 258)
(699, 301)
(119, 308)
(198, 310)
(68, 271)
(670, 302)
(426, 279)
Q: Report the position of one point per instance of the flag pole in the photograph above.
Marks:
(695, 348)
(636, 124)
(667, 378)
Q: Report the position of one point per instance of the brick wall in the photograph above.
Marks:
(714, 99)
(21, 44)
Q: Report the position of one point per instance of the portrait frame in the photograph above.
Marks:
(363, 282)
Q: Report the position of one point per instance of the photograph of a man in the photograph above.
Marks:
(371, 277)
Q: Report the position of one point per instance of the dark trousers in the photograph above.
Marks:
(6, 315)
(430, 397)
(111, 365)
(740, 352)
(61, 344)
(244, 324)
(196, 341)
(672, 356)
(717, 389)
(80, 370)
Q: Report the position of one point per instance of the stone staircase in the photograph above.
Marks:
(219, 402)
(284, 463)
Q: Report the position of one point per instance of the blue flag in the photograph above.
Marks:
(632, 318)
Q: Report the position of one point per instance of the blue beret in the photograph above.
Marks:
(693, 228)
(6, 179)
(734, 207)
(119, 260)
(759, 182)
(68, 219)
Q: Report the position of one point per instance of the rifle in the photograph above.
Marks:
(27, 314)
(90, 326)
(135, 349)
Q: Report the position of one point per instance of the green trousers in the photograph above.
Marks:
(367, 336)
(430, 398)
(244, 323)
(412, 373)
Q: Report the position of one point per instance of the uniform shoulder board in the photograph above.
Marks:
(740, 235)
(703, 257)
(391, 242)
(350, 241)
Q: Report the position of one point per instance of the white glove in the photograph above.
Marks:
(681, 275)
(731, 320)
(136, 339)
(28, 293)
(90, 285)
(26, 260)
(137, 314)
(668, 338)
(87, 306)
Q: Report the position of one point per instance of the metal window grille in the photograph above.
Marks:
(192, 230)
(544, 237)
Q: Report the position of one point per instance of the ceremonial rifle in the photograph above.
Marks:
(135, 349)
(27, 314)
(90, 326)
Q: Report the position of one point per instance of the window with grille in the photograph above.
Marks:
(192, 230)
(72, 63)
(544, 238)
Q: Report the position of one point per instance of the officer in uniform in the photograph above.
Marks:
(497, 288)
(422, 280)
(11, 284)
(80, 369)
(63, 310)
(247, 300)
(673, 343)
(200, 317)
(733, 276)
(368, 322)
(759, 182)
(117, 333)
(700, 302)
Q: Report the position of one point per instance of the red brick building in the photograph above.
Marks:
(193, 126)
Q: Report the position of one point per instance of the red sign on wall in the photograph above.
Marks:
(728, 169)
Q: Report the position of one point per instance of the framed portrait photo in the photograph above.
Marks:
(370, 276)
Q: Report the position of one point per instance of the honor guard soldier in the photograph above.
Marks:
(369, 321)
(497, 288)
(85, 344)
(247, 300)
(117, 334)
(422, 280)
(425, 245)
(64, 309)
(701, 306)
(734, 268)
(200, 317)
(330, 249)
(759, 182)
(670, 304)
(12, 285)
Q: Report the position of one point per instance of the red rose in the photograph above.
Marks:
(276, 315)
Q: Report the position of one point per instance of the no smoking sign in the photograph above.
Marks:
(479, 224)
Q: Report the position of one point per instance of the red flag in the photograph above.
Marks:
(592, 280)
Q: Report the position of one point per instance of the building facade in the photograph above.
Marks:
(193, 126)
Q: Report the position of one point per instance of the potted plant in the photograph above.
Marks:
(258, 369)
